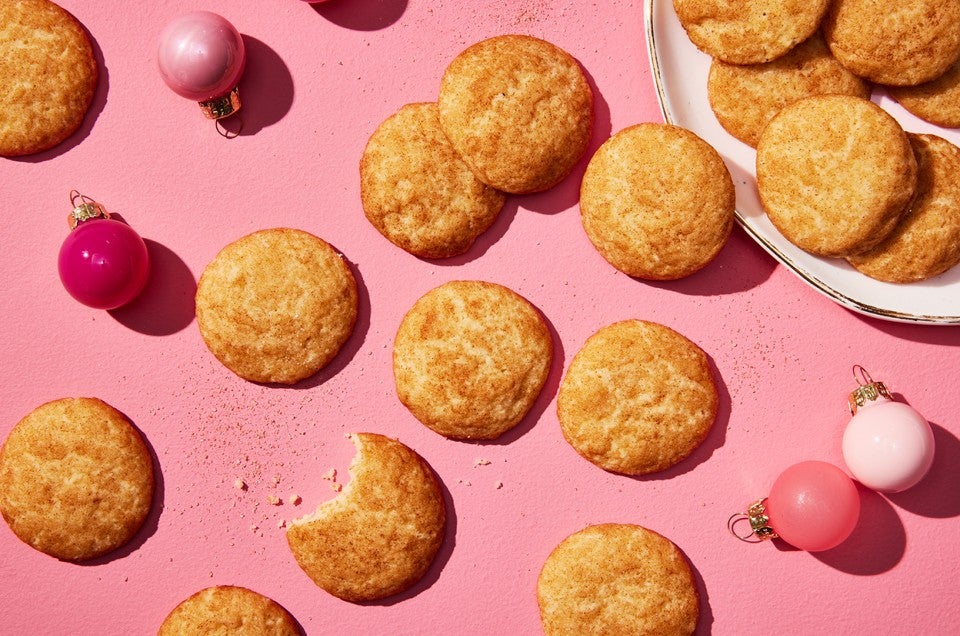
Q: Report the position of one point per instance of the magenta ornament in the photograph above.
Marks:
(887, 445)
(812, 505)
(103, 262)
(201, 57)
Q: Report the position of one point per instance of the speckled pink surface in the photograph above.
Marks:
(318, 82)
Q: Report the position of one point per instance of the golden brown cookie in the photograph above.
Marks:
(902, 44)
(637, 398)
(76, 479)
(749, 31)
(47, 76)
(617, 579)
(380, 535)
(745, 98)
(276, 305)
(657, 201)
(835, 173)
(937, 101)
(470, 358)
(417, 191)
(518, 110)
(926, 242)
(228, 610)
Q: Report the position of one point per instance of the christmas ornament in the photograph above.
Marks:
(887, 445)
(201, 57)
(103, 262)
(812, 505)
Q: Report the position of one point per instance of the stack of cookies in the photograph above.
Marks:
(836, 174)
(514, 115)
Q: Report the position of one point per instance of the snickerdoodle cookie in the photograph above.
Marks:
(379, 536)
(745, 98)
(48, 76)
(518, 110)
(229, 610)
(617, 579)
(276, 305)
(637, 398)
(76, 479)
(835, 173)
(749, 31)
(657, 201)
(470, 359)
(926, 242)
(900, 44)
(417, 191)
(937, 101)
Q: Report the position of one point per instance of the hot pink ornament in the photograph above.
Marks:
(103, 263)
(201, 57)
(887, 445)
(812, 505)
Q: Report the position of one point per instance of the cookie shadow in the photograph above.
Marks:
(740, 266)
(714, 440)
(167, 303)
(544, 399)
(362, 15)
(96, 107)
(936, 496)
(705, 619)
(432, 574)
(486, 240)
(152, 521)
(878, 541)
(566, 194)
(353, 344)
(270, 96)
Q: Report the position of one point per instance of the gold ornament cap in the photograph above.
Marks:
(87, 209)
(760, 528)
(223, 106)
(867, 391)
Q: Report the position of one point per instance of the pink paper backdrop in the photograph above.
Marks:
(319, 80)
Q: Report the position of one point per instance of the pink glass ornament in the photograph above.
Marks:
(887, 445)
(103, 262)
(201, 57)
(812, 505)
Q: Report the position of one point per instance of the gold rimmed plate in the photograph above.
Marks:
(680, 75)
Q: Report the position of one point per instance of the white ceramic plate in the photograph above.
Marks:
(680, 72)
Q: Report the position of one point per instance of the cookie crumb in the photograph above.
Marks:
(480, 461)
(330, 475)
(276, 480)
(294, 499)
(282, 524)
(273, 500)
(498, 485)
(336, 487)
(239, 484)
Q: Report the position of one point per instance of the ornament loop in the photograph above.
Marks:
(88, 209)
(760, 529)
(229, 134)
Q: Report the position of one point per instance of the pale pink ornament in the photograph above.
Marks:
(201, 56)
(812, 505)
(887, 445)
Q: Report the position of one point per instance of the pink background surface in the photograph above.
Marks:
(318, 82)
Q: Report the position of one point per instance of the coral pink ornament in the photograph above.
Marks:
(812, 505)
(103, 262)
(887, 445)
(201, 57)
